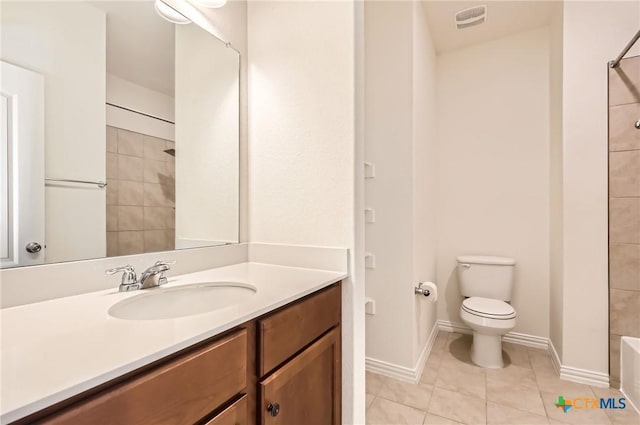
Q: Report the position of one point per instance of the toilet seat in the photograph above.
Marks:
(488, 308)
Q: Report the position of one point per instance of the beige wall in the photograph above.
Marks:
(302, 142)
(594, 33)
(493, 194)
(624, 208)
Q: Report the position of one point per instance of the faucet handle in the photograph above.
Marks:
(162, 279)
(129, 280)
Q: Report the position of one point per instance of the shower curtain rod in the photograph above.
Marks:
(140, 113)
(614, 63)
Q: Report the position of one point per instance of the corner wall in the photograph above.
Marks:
(400, 142)
(302, 140)
(425, 154)
(594, 33)
(493, 193)
(555, 181)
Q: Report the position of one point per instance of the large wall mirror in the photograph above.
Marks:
(120, 133)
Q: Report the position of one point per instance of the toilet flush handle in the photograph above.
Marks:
(465, 265)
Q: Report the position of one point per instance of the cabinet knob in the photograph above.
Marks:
(273, 409)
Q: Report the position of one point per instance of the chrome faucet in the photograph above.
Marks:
(152, 277)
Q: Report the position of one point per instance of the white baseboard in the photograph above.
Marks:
(459, 328)
(555, 358)
(574, 374)
(426, 350)
(512, 337)
(406, 374)
(568, 373)
(403, 373)
(582, 376)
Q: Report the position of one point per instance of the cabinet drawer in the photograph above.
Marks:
(181, 391)
(286, 332)
(236, 414)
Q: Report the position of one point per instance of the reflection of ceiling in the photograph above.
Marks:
(140, 44)
(503, 18)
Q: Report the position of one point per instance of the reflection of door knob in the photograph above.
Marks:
(33, 247)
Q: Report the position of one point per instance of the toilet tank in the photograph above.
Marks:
(485, 276)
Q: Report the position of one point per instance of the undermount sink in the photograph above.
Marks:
(181, 301)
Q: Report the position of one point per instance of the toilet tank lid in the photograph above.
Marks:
(485, 259)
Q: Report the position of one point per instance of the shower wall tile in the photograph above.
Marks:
(155, 218)
(112, 218)
(130, 143)
(130, 243)
(624, 266)
(112, 139)
(130, 193)
(154, 171)
(171, 239)
(112, 244)
(140, 194)
(130, 168)
(624, 220)
(624, 174)
(154, 148)
(130, 218)
(154, 195)
(614, 361)
(623, 135)
(624, 209)
(112, 192)
(624, 313)
(155, 240)
(624, 83)
(112, 166)
(171, 169)
(171, 218)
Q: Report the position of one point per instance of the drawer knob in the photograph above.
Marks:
(273, 409)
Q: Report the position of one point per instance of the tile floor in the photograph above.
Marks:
(452, 390)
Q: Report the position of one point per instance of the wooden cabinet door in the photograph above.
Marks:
(306, 390)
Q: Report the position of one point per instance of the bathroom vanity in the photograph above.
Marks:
(274, 359)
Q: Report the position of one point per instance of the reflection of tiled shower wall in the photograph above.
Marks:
(140, 193)
(624, 208)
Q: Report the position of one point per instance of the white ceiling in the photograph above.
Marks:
(503, 18)
(140, 44)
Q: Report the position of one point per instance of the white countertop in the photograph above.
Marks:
(56, 349)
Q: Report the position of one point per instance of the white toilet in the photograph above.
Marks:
(486, 283)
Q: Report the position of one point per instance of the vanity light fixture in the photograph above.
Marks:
(170, 14)
(214, 4)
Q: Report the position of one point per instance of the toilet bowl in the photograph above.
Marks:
(489, 319)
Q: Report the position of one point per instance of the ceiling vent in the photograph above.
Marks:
(470, 17)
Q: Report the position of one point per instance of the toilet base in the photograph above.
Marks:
(486, 351)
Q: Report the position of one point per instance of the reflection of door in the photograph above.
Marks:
(21, 166)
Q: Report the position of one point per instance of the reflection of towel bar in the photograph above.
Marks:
(101, 185)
